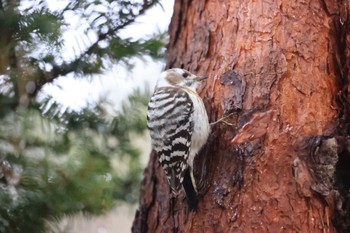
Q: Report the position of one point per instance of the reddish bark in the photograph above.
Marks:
(282, 68)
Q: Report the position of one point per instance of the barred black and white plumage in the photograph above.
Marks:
(179, 127)
(170, 121)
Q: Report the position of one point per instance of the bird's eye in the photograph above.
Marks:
(185, 74)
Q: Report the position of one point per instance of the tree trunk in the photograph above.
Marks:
(281, 68)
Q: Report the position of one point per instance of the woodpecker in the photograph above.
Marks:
(179, 127)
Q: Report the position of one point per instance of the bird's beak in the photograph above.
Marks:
(198, 79)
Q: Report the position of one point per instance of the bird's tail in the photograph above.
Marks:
(190, 190)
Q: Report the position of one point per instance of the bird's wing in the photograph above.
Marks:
(170, 122)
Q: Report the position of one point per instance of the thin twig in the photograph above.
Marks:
(223, 120)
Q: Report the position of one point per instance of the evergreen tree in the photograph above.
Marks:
(55, 161)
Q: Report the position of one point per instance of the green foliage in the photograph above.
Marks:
(57, 164)
(54, 161)
(32, 39)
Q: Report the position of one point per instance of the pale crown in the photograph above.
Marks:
(177, 77)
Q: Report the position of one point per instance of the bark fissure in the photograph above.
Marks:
(340, 45)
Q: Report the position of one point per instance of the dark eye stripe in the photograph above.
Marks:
(185, 75)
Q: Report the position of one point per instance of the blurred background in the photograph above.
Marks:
(75, 80)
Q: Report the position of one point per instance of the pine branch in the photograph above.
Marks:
(62, 70)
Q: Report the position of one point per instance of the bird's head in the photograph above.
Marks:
(180, 78)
